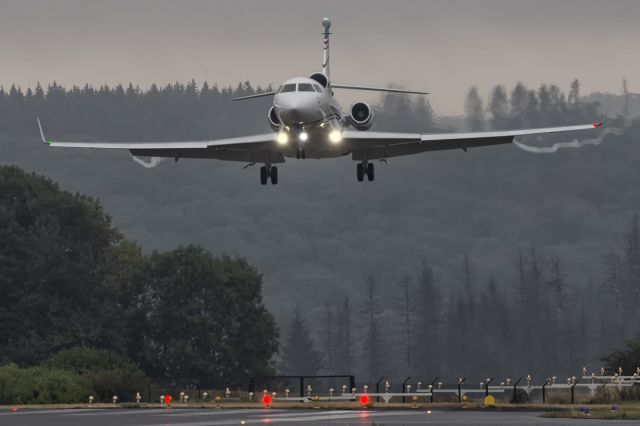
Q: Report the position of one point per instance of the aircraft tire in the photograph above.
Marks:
(274, 175)
(360, 172)
(370, 173)
(263, 175)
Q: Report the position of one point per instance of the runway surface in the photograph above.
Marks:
(197, 417)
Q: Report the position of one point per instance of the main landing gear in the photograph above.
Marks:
(268, 172)
(365, 168)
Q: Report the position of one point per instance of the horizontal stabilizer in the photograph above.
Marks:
(259, 95)
(375, 89)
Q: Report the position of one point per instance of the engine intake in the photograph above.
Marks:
(361, 116)
(274, 120)
(320, 78)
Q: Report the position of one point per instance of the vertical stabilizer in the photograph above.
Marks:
(326, 23)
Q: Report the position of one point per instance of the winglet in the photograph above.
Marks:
(42, 133)
(604, 119)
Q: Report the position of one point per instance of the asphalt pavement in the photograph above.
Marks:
(213, 417)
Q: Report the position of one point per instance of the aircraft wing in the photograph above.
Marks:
(379, 145)
(250, 149)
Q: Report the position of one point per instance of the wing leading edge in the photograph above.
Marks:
(256, 148)
(379, 145)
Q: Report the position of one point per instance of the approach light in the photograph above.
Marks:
(282, 138)
(266, 399)
(335, 136)
(304, 136)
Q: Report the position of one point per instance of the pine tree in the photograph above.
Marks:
(300, 356)
(474, 110)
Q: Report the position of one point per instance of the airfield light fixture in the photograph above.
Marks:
(304, 136)
(282, 138)
(335, 136)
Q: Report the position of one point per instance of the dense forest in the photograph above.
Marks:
(492, 263)
(69, 279)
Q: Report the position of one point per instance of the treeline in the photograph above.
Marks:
(68, 278)
(527, 108)
(539, 322)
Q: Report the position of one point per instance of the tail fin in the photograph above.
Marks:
(326, 23)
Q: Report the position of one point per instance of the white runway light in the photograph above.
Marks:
(304, 136)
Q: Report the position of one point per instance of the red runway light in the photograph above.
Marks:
(167, 399)
(266, 399)
(364, 399)
(14, 409)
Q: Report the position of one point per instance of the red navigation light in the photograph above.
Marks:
(596, 124)
(266, 399)
(364, 399)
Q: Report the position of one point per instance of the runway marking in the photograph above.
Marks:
(296, 417)
(119, 412)
(212, 411)
(27, 411)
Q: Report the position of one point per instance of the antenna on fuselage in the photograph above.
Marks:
(326, 23)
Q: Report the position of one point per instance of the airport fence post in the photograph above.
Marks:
(433, 386)
(378, 388)
(544, 391)
(403, 387)
(460, 382)
(149, 391)
(251, 385)
(352, 382)
(301, 386)
(2, 392)
(486, 387)
(515, 390)
(573, 393)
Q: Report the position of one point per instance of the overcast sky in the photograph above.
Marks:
(440, 46)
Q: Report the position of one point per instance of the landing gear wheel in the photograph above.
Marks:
(370, 174)
(263, 175)
(274, 175)
(360, 172)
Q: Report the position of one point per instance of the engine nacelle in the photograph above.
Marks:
(361, 116)
(320, 78)
(274, 120)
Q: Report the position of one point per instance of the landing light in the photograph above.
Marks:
(282, 138)
(335, 136)
(304, 136)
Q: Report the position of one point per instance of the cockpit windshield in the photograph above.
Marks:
(305, 87)
(288, 88)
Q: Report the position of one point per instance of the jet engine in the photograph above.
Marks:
(274, 120)
(320, 78)
(361, 116)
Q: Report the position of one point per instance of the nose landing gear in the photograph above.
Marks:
(268, 172)
(365, 168)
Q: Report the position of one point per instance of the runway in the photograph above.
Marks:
(211, 417)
